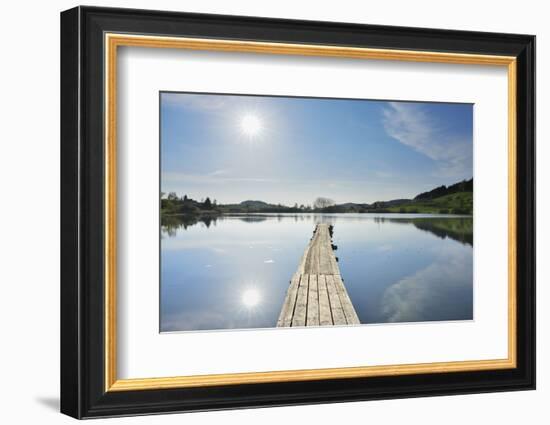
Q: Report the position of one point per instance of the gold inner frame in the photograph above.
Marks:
(113, 41)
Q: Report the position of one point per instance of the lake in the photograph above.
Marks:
(232, 271)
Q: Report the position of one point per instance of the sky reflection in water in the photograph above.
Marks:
(233, 272)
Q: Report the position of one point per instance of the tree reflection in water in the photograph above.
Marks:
(460, 229)
(170, 224)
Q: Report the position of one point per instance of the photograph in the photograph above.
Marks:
(279, 211)
(285, 210)
(298, 209)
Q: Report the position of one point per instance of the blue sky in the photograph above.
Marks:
(291, 150)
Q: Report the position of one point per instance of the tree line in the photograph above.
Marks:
(453, 199)
(172, 203)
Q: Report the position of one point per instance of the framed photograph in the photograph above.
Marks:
(261, 212)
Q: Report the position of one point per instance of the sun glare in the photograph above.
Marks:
(251, 298)
(251, 125)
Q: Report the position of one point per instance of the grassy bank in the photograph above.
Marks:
(456, 203)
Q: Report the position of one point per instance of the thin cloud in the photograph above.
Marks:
(431, 293)
(412, 126)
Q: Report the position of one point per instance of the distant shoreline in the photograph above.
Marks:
(457, 199)
(218, 213)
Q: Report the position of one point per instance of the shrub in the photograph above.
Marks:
(460, 211)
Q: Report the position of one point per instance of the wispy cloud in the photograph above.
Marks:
(431, 293)
(414, 127)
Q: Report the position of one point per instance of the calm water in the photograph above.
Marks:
(233, 271)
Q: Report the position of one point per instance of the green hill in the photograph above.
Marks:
(463, 186)
(255, 204)
(455, 203)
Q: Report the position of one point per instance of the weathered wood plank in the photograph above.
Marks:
(285, 317)
(300, 311)
(338, 316)
(312, 302)
(325, 249)
(314, 265)
(334, 264)
(347, 306)
(312, 261)
(302, 265)
(325, 316)
(317, 295)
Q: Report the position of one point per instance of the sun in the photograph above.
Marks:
(251, 125)
(251, 298)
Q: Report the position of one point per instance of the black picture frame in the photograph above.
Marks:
(83, 392)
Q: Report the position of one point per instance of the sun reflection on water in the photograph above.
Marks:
(251, 297)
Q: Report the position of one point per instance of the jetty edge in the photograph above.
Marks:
(316, 295)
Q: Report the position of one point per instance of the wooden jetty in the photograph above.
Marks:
(316, 295)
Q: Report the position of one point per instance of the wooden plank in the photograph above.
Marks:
(312, 258)
(335, 267)
(325, 316)
(324, 261)
(338, 316)
(331, 267)
(316, 250)
(301, 266)
(327, 259)
(309, 254)
(300, 311)
(285, 317)
(312, 264)
(312, 302)
(347, 306)
(317, 295)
